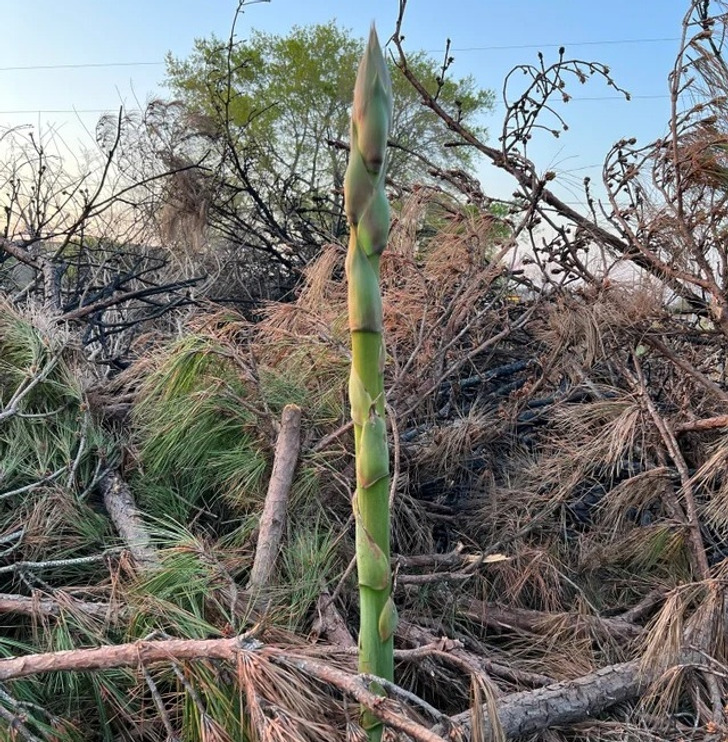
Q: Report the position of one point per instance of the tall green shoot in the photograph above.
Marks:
(367, 210)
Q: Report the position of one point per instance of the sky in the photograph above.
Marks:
(57, 73)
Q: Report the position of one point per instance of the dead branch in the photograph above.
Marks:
(638, 611)
(144, 653)
(19, 252)
(520, 713)
(56, 563)
(143, 293)
(328, 439)
(125, 516)
(536, 622)
(707, 423)
(697, 547)
(681, 363)
(412, 634)
(37, 606)
(134, 654)
(521, 119)
(330, 623)
(273, 520)
(159, 705)
(27, 386)
(357, 686)
(561, 704)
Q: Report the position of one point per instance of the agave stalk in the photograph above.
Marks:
(367, 210)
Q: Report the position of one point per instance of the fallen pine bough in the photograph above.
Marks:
(527, 712)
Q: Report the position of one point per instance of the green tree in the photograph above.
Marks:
(273, 112)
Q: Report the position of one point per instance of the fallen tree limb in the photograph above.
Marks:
(520, 714)
(36, 606)
(273, 520)
(144, 653)
(417, 636)
(536, 622)
(357, 686)
(133, 654)
(122, 509)
(561, 704)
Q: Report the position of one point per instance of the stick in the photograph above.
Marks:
(125, 516)
(273, 520)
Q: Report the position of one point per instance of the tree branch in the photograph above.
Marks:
(273, 520)
(125, 516)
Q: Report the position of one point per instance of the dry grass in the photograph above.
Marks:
(537, 446)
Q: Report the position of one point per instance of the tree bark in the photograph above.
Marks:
(125, 516)
(37, 606)
(273, 520)
(133, 654)
(563, 703)
(330, 623)
(52, 275)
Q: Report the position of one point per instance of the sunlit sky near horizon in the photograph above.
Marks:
(54, 69)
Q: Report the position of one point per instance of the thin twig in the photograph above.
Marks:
(340, 586)
(54, 563)
(700, 558)
(159, 704)
(327, 440)
(681, 363)
(34, 485)
(81, 449)
(26, 388)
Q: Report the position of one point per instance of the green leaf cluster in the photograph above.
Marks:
(287, 96)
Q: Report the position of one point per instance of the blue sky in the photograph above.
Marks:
(636, 38)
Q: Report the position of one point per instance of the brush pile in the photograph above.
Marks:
(176, 540)
(558, 503)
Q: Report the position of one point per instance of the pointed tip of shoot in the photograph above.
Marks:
(372, 110)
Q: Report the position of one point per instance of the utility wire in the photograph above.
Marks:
(580, 99)
(59, 110)
(96, 65)
(567, 44)
(86, 65)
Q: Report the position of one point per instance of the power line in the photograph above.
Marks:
(604, 42)
(29, 112)
(108, 110)
(84, 65)
(620, 97)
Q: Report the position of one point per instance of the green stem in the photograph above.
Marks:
(368, 212)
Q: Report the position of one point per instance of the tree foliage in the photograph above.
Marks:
(273, 113)
(289, 95)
